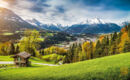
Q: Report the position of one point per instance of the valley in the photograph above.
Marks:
(64, 40)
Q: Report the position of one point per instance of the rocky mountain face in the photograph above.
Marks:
(9, 21)
(51, 27)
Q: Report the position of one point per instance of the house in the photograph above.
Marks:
(22, 59)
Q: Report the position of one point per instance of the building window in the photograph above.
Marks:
(19, 59)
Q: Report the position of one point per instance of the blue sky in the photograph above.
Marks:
(68, 12)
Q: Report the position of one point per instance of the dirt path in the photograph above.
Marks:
(6, 62)
(45, 64)
(10, 62)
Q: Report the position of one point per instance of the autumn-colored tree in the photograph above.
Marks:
(5, 48)
(54, 50)
(30, 42)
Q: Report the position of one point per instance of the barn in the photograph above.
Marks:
(22, 59)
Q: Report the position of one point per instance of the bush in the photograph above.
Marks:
(54, 49)
(53, 57)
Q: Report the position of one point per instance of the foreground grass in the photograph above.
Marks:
(7, 34)
(108, 68)
(37, 60)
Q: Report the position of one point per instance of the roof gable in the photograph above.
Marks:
(23, 54)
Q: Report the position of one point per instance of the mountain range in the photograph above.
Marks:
(91, 26)
(9, 21)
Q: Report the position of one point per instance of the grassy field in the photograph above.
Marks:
(6, 58)
(37, 60)
(32, 59)
(115, 67)
(7, 34)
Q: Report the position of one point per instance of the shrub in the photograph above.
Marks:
(53, 57)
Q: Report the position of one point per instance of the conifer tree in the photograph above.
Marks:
(17, 49)
(126, 46)
(98, 49)
(12, 49)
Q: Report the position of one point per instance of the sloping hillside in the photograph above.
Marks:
(115, 67)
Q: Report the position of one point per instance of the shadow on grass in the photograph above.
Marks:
(34, 59)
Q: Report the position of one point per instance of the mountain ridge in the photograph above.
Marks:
(12, 22)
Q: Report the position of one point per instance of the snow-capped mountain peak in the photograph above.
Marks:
(37, 23)
(97, 21)
(93, 21)
(54, 27)
(34, 22)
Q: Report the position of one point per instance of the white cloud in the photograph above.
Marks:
(3, 4)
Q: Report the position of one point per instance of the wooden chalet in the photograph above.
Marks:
(22, 59)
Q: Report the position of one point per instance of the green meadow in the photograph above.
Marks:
(6, 58)
(7, 34)
(115, 67)
(32, 59)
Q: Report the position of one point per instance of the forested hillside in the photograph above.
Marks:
(106, 45)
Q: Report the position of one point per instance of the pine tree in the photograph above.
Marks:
(70, 54)
(92, 50)
(129, 30)
(106, 46)
(17, 49)
(126, 46)
(98, 49)
(12, 49)
(114, 37)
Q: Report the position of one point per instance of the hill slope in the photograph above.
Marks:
(108, 68)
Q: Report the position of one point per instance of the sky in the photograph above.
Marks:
(68, 12)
